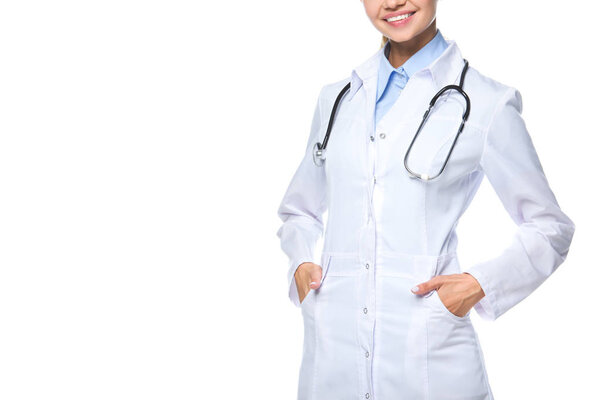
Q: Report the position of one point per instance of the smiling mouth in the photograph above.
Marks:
(399, 17)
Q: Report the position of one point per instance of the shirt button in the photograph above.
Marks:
(374, 179)
(367, 395)
(382, 135)
(367, 354)
(365, 310)
(372, 138)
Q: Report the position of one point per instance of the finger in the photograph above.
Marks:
(315, 278)
(428, 286)
(418, 289)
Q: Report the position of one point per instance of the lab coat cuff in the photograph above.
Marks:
(293, 289)
(487, 306)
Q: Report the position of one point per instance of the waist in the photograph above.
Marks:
(411, 266)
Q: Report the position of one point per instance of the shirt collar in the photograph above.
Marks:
(443, 70)
(423, 57)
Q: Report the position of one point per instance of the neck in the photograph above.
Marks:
(400, 52)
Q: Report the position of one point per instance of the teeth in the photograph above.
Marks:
(399, 17)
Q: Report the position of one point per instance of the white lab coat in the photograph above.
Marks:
(366, 336)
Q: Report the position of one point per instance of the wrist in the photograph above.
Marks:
(476, 291)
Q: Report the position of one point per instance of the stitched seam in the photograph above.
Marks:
(480, 353)
(316, 357)
(317, 352)
(492, 119)
(425, 230)
(437, 117)
(320, 101)
(427, 355)
(359, 370)
(341, 254)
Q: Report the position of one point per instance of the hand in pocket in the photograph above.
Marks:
(457, 292)
(307, 277)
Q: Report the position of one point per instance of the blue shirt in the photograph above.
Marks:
(390, 81)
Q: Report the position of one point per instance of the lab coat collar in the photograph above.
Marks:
(443, 71)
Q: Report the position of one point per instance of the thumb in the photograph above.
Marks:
(315, 278)
(427, 286)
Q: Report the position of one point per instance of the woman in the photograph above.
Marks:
(387, 309)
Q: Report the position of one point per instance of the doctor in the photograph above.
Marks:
(386, 307)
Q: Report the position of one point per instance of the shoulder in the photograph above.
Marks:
(331, 90)
(328, 93)
(490, 96)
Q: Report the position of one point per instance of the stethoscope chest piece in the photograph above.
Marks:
(318, 155)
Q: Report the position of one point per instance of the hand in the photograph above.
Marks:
(307, 276)
(458, 292)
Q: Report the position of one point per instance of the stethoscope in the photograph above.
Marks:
(319, 149)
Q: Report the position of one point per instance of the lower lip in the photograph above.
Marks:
(401, 22)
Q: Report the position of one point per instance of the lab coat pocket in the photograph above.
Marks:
(440, 304)
(336, 310)
(464, 156)
(455, 369)
(308, 367)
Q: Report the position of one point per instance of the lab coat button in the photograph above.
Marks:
(367, 395)
(367, 354)
(372, 138)
(365, 310)
(367, 265)
(382, 135)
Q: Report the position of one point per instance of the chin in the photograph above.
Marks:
(399, 38)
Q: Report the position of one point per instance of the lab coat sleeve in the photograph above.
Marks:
(544, 232)
(302, 208)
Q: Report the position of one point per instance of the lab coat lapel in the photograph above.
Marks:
(364, 77)
(446, 69)
(365, 71)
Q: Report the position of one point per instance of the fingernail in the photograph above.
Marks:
(313, 283)
(415, 289)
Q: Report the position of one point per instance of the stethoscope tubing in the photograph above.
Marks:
(319, 149)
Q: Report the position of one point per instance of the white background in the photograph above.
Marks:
(146, 145)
